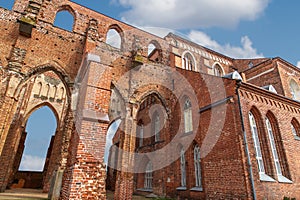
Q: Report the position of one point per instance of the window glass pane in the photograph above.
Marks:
(273, 146)
(256, 143)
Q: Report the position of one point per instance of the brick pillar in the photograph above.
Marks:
(124, 184)
(85, 173)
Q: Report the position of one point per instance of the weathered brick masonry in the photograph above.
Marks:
(192, 104)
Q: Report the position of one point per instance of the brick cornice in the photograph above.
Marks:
(250, 88)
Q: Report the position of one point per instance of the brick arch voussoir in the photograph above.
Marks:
(64, 77)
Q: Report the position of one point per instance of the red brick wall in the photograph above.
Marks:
(284, 111)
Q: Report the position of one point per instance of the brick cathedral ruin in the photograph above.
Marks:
(192, 123)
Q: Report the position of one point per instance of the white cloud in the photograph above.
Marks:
(298, 64)
(32, 163)
(246, 50)
(179, 14)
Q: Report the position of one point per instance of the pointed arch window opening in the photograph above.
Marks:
(64, 20)
(295, 129)
(113, 38)
(41, 126)
(151, 49)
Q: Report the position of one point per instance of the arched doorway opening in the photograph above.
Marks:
(35, 147)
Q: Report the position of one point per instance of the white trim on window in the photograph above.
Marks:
(261, 168)
(182, 168)
(197, 165)
(281, 178)
(148, 176)
(156, 127)
(141, 135)
(187, 115)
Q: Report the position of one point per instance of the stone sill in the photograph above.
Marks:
(197, 189)
(297, 137)
(182, 188)
(145, 190)
(265, 177)
(282, 179)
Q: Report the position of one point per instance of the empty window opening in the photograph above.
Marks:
(65, 20)
(110, 160)
(151, 48)
(40, 127)
(7, 4)
(113, 38)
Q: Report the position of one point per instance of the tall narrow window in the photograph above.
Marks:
(197, 165)
(182, 168)
(148, 176)
(188, 122)
(156, 126)
(273, 147)
(141, 135)
(295, 90)
(276, 158)
(257, 147)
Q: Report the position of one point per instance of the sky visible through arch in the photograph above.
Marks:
(236, 28)
(40, 127)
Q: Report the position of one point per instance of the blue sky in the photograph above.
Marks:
(237, 28)
(242, 29)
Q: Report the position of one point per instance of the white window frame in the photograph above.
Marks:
(156, 127)
(141, 139)
(281, 178)
(197, 165)
(148, 176)
(295, 90)
(260, 163)
(188, 117)
(273, 147)
(257, 146)
(182, 168)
